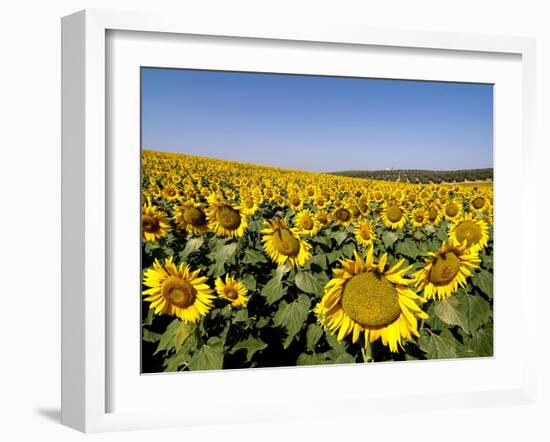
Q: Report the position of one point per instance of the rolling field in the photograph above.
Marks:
(250, 266)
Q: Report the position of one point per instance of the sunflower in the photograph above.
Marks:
(478, 203)
(473, 230)
(320, 200)
(445, 271)
(342, 216)
(364, 297)
(365, 234)
(232, 290)
(377, 196)
(177, 291)
(248, 205)
(190, 216)
(393, 216)
(434, 214)
(306, 223)
(154, 222)
(283, 244)
(295, 201)
(225, 219)
(323, 217)
(419, 217)
(170, 192)
(452, 210)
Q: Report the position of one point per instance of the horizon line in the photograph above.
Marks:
(310, 171)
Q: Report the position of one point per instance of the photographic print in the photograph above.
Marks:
(298, 220)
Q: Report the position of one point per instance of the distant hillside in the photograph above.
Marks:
(422, 176)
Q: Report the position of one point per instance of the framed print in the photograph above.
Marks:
(269, 212)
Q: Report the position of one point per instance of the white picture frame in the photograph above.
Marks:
(87, 322)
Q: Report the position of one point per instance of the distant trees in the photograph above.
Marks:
(422, 176)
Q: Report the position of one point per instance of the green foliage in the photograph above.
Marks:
(209, 357)
(251, 345)
(442, 346)
(308, 283)
(484, 281)
(273, 290)
(292, 316)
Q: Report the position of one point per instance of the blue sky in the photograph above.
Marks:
(318, 123)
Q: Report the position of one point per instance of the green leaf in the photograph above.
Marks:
(441, 231)
(337, 348)
(429, 229)
(149, 336)
(388, 238)
(175, 335)
(314, 359)
(313, 334)
(484, 281)
(209, 357)
(344, 358)
(339, 237)
(249, 282)
(148, 320)
(319, 260)
(182, 356)
(192, 245)
(308, 283)
(252, 256)
(273, 290)
(150, 248)
(408, 248)
(481, 343)
(487, 260)
(251, 345)
(443, 346)
(292, 316)
(219, 256)
(348, 250)
(241, 316)
(476, 310)
(451, 312)
(322, 239)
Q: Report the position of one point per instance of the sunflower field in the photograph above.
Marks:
(251, 266)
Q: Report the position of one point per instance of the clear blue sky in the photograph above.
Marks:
(318, 123)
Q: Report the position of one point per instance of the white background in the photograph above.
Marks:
(30, 216)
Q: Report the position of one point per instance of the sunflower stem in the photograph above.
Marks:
(367, 353)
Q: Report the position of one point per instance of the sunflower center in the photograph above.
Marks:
(286, 243)
(229, 218)
(194, 216)
(295, 201)
(468, 231)
(432, 216)
(444, 269)
(150, 224)
(478, 202)
(231, 293)
(365, 232)
(248, 203)
(306, 223)
(178, 292)
(343, 214)
(451, 209)
(171, 192)
(371, 300)
(394, 213)
(419, 218)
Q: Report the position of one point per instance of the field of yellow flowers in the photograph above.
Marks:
(252, 266)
